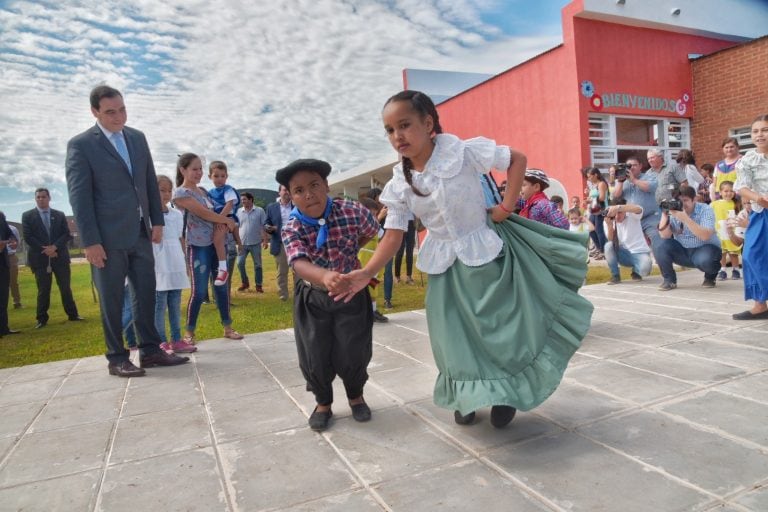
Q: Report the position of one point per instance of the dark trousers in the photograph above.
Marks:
(138, 264)
(409, 242)
(5, 281)
(332, 338)
(44, 279)
(705, 258)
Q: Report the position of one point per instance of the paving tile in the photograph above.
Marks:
(727, 353)
(5, 374)
(92, 364)
(481, 435)
(29, 391)
(269, 338)
(683, 367)
(56, 453)
(158, 433)
(579, 475)
(625, 382)
(754, 499)
(74, 410)
(78, 383)
(385, 359)
(635, 334)
(737, 416)
(287, 373)
(392, 444)
(17, 417)
(606, 347)
(467, 485)
(744, 336)
(254, 415)
(241, 383)
(409, 384)
(276, 352)
(751, 386)
(274, 470)
(42, 371)
(187, 481)
(345, 502)
(690, 454)
(160, 395)
(209, 363)
(5, 445)
(73, 492)
(418, 349)
(572, 405)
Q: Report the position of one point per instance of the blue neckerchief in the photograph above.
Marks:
(322, 235)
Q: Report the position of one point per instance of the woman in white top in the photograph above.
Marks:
(170, 273)
(503, 310)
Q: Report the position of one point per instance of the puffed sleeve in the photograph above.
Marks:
(483, 155)
(744, 175)
(393, 197)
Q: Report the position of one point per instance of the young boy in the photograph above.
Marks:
(322, 239)
(225, 201)
(535, 205)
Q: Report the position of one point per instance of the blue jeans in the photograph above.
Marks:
(639, 261)
(388, 281)
(705, 258)
(255, 252)
(201, 262)
(598, 234)
(128, 330)
(172, 299)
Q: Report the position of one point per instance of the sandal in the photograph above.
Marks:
(233, 334)
(189, 339)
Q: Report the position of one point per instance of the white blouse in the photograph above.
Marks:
(170, 263)
(454, 210)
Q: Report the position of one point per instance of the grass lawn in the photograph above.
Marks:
(251, 313)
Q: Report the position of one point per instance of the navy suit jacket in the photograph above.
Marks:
(275, 219)
(36, 236)
(105, 196)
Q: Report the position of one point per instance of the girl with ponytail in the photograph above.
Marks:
(503, 311)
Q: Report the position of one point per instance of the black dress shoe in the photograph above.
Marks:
(501, 415)
(77, 318)
(161, 359)
(361, 412)
(40, 325)
(318, 421)
(463, 420)
(125, 369)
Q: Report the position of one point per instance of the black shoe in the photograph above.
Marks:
(708, 283)
(378, 317)
(636, 277)
(361, 412)
(76, 318)
(463, 420)
(501, 415)
(40, 325)
(748, 315)
(160, 358)
(318, 421)
(388, 304)
(125, 369)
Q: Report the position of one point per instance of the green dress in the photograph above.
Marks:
(503, 333)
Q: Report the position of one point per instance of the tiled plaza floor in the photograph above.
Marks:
(663, 408)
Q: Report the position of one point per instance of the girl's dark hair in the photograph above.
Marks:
(729, 140)
(761, 117)
(685, 156)
(736, 199)
(374, 193)
(423, 105)
(183, 162)
(594, 171)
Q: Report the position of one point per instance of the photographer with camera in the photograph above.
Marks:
(626, 245)
(639, 188)
(689, 239)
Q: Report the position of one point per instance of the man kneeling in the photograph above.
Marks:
(688, 239)
(626, 245)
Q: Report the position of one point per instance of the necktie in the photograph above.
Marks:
(47, 220)
(122, 149)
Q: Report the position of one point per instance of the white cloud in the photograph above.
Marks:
(254, 84)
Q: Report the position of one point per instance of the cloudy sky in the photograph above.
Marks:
(254, 83)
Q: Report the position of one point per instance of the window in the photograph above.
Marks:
(743, 136)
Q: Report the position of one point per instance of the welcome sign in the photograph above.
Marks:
(634, 101)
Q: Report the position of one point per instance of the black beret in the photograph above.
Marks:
(284, 175)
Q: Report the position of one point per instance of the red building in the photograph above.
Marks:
(610, 90)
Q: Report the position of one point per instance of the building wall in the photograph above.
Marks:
(727, 97)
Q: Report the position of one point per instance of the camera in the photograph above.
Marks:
(622, 172)
(675, 205)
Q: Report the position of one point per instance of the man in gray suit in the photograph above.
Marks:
(114, 196)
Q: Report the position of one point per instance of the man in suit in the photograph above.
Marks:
(47, 235)
(277, 216)
(116, 201)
